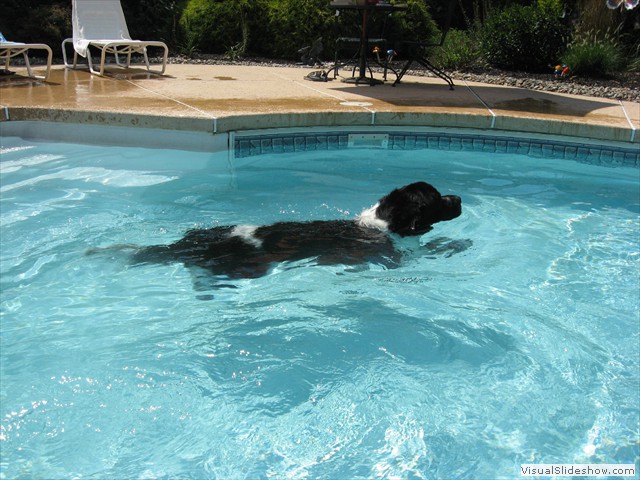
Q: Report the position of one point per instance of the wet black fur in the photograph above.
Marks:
(408, 211)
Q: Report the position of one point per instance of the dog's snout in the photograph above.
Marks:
(452, 199)
(452, 207)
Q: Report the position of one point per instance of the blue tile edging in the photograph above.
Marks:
(605, 155)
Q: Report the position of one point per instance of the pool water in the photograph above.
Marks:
(522, 348)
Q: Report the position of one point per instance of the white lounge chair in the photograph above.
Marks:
(101, 24)
(13, 49)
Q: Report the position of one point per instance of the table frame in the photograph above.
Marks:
(365, 11)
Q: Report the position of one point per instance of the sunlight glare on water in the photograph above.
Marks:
(519, 344)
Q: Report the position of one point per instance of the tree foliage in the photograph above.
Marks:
(36, 21)
(275, 28)
(512, 34)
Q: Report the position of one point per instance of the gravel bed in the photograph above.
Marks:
(626, 87)
(623, 87)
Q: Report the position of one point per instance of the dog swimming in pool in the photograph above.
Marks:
(248, 251)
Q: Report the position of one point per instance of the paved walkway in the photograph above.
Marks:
(223, 98)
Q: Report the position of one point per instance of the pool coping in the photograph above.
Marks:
(234, 123)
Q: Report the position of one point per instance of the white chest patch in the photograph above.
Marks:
(369, 219)
(246, 233)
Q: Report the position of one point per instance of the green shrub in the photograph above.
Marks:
(151, 19)
(523, 38)
(294, 24)
(555, 7)
(188, 38)
(36, 21)
(279, 28)
(416, 23)
(460, 51)
(212, 26)
(594, 56)
(634, 56)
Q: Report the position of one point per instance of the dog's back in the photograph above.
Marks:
(249, 252)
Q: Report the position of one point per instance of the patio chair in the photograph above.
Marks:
(418, 52)
(9, 50)
(101, 24)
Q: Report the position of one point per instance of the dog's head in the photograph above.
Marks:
(411, 210)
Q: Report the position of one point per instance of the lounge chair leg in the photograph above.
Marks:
(90, 61)
(27, 64)
(102, 60)
(146, 58)
(48, 71)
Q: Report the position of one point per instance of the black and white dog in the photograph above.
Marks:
(245, 251)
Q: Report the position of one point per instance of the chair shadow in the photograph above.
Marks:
(21, 81)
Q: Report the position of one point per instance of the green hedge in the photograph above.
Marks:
(273, 28)
(461, 50)
(528, 38)
(212, 26)
(293, 24)
(279, 28)
(49, 21)
(36, 21)
(524, 38)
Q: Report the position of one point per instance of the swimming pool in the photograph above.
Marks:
(520, 349)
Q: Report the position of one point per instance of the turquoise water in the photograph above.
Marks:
(521, 349)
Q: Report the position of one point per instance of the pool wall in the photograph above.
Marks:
(597, 153)
(258, 142)
(116, 135)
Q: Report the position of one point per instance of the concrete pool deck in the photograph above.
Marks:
(227, 98)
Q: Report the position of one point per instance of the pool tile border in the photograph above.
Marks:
(605, 155)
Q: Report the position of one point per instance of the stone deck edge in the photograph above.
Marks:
(242, 122)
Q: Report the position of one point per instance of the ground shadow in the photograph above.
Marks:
(514, 99)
